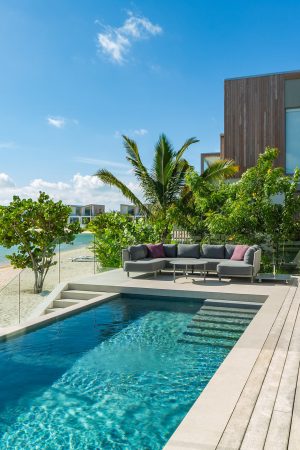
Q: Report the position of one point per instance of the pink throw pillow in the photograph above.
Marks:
(156, 250)
(239, 252)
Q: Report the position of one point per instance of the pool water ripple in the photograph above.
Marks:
(115, 377)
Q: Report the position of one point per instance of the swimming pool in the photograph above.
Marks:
(119, 376)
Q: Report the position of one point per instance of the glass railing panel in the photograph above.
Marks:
(30, 300)
(76, 260)
(10, 313)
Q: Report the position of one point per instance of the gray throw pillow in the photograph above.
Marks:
(249, 255)
(188, 251)
(137, 252)
(229, 249)
(170, 250)
(213, 251)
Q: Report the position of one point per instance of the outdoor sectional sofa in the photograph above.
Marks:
(136, 259)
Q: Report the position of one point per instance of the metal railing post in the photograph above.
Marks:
(19, 309)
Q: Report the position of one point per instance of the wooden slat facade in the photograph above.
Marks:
(254, 117)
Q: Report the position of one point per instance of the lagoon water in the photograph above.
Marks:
(82, 240)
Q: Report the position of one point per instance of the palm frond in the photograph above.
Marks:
(220, 169)
(108, 178)
(185, 146)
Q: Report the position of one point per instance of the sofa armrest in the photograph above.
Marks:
(125, 255)
(256, 262)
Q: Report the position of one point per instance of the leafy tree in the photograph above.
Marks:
(161, 185)
(115, 231)
(34, 227)
(201, 195)
(262, 203)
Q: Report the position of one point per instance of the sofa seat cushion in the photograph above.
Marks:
(145, 265)
(213, 251)
(232, 268)
(212, 263)
(188, 251)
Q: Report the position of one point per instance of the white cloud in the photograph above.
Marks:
(140, 132)
(60, 122)
(115, 42)
(80, 189)
(57, 122)
(8, 145)
(6, 181)
(101, 163)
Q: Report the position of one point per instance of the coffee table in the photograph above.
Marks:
(189, 262)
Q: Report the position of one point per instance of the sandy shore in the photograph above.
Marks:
(65, 269)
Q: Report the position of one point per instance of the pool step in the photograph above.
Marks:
(231, 309)
(65, 303)
(216, 326)
(222, 315)
(213, 334)
(70, 297)
(80, 295)
(232, 304)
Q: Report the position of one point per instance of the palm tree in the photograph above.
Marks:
(164, 184)
(161, 185)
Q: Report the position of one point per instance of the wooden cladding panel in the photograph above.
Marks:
(254, 118)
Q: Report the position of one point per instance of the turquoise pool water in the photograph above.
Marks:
(120, 376)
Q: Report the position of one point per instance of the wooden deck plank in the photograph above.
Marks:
(279, 430)
(260, 420)
(233, 434)
(294, 437)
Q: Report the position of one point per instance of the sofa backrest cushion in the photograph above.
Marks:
(249, 255)
(137, 252)
(229, 249)
(188, 251)
(156, 250)
(170, 250)
(213, 251)
(239, 252)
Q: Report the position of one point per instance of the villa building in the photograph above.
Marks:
(84, 214)
(260, 111)
(132, 210)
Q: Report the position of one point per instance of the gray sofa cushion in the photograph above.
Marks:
(145, 265)
(137, 252)
(249, 255)
(170, 250)
(188, 251)
(213, 251)
(229, 249)
(233, 268)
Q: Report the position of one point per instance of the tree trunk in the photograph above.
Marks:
(38, 283)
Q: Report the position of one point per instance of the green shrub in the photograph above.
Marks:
(115, 231)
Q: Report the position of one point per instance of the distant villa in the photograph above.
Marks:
(84, 214)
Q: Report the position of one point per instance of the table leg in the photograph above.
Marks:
(174, 273)
(186, 271)
(204, 278)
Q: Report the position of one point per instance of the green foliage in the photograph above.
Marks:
(115, 231)
(262, 205)
(162, 185)
(34, 227)
(202, 195)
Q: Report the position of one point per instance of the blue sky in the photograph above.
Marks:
(75, 75)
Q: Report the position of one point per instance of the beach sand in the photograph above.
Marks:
(12, 310)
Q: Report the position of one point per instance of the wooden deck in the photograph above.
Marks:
(266, 414)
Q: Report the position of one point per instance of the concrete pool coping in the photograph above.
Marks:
(205, 424)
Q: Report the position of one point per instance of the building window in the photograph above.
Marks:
(292, 139)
